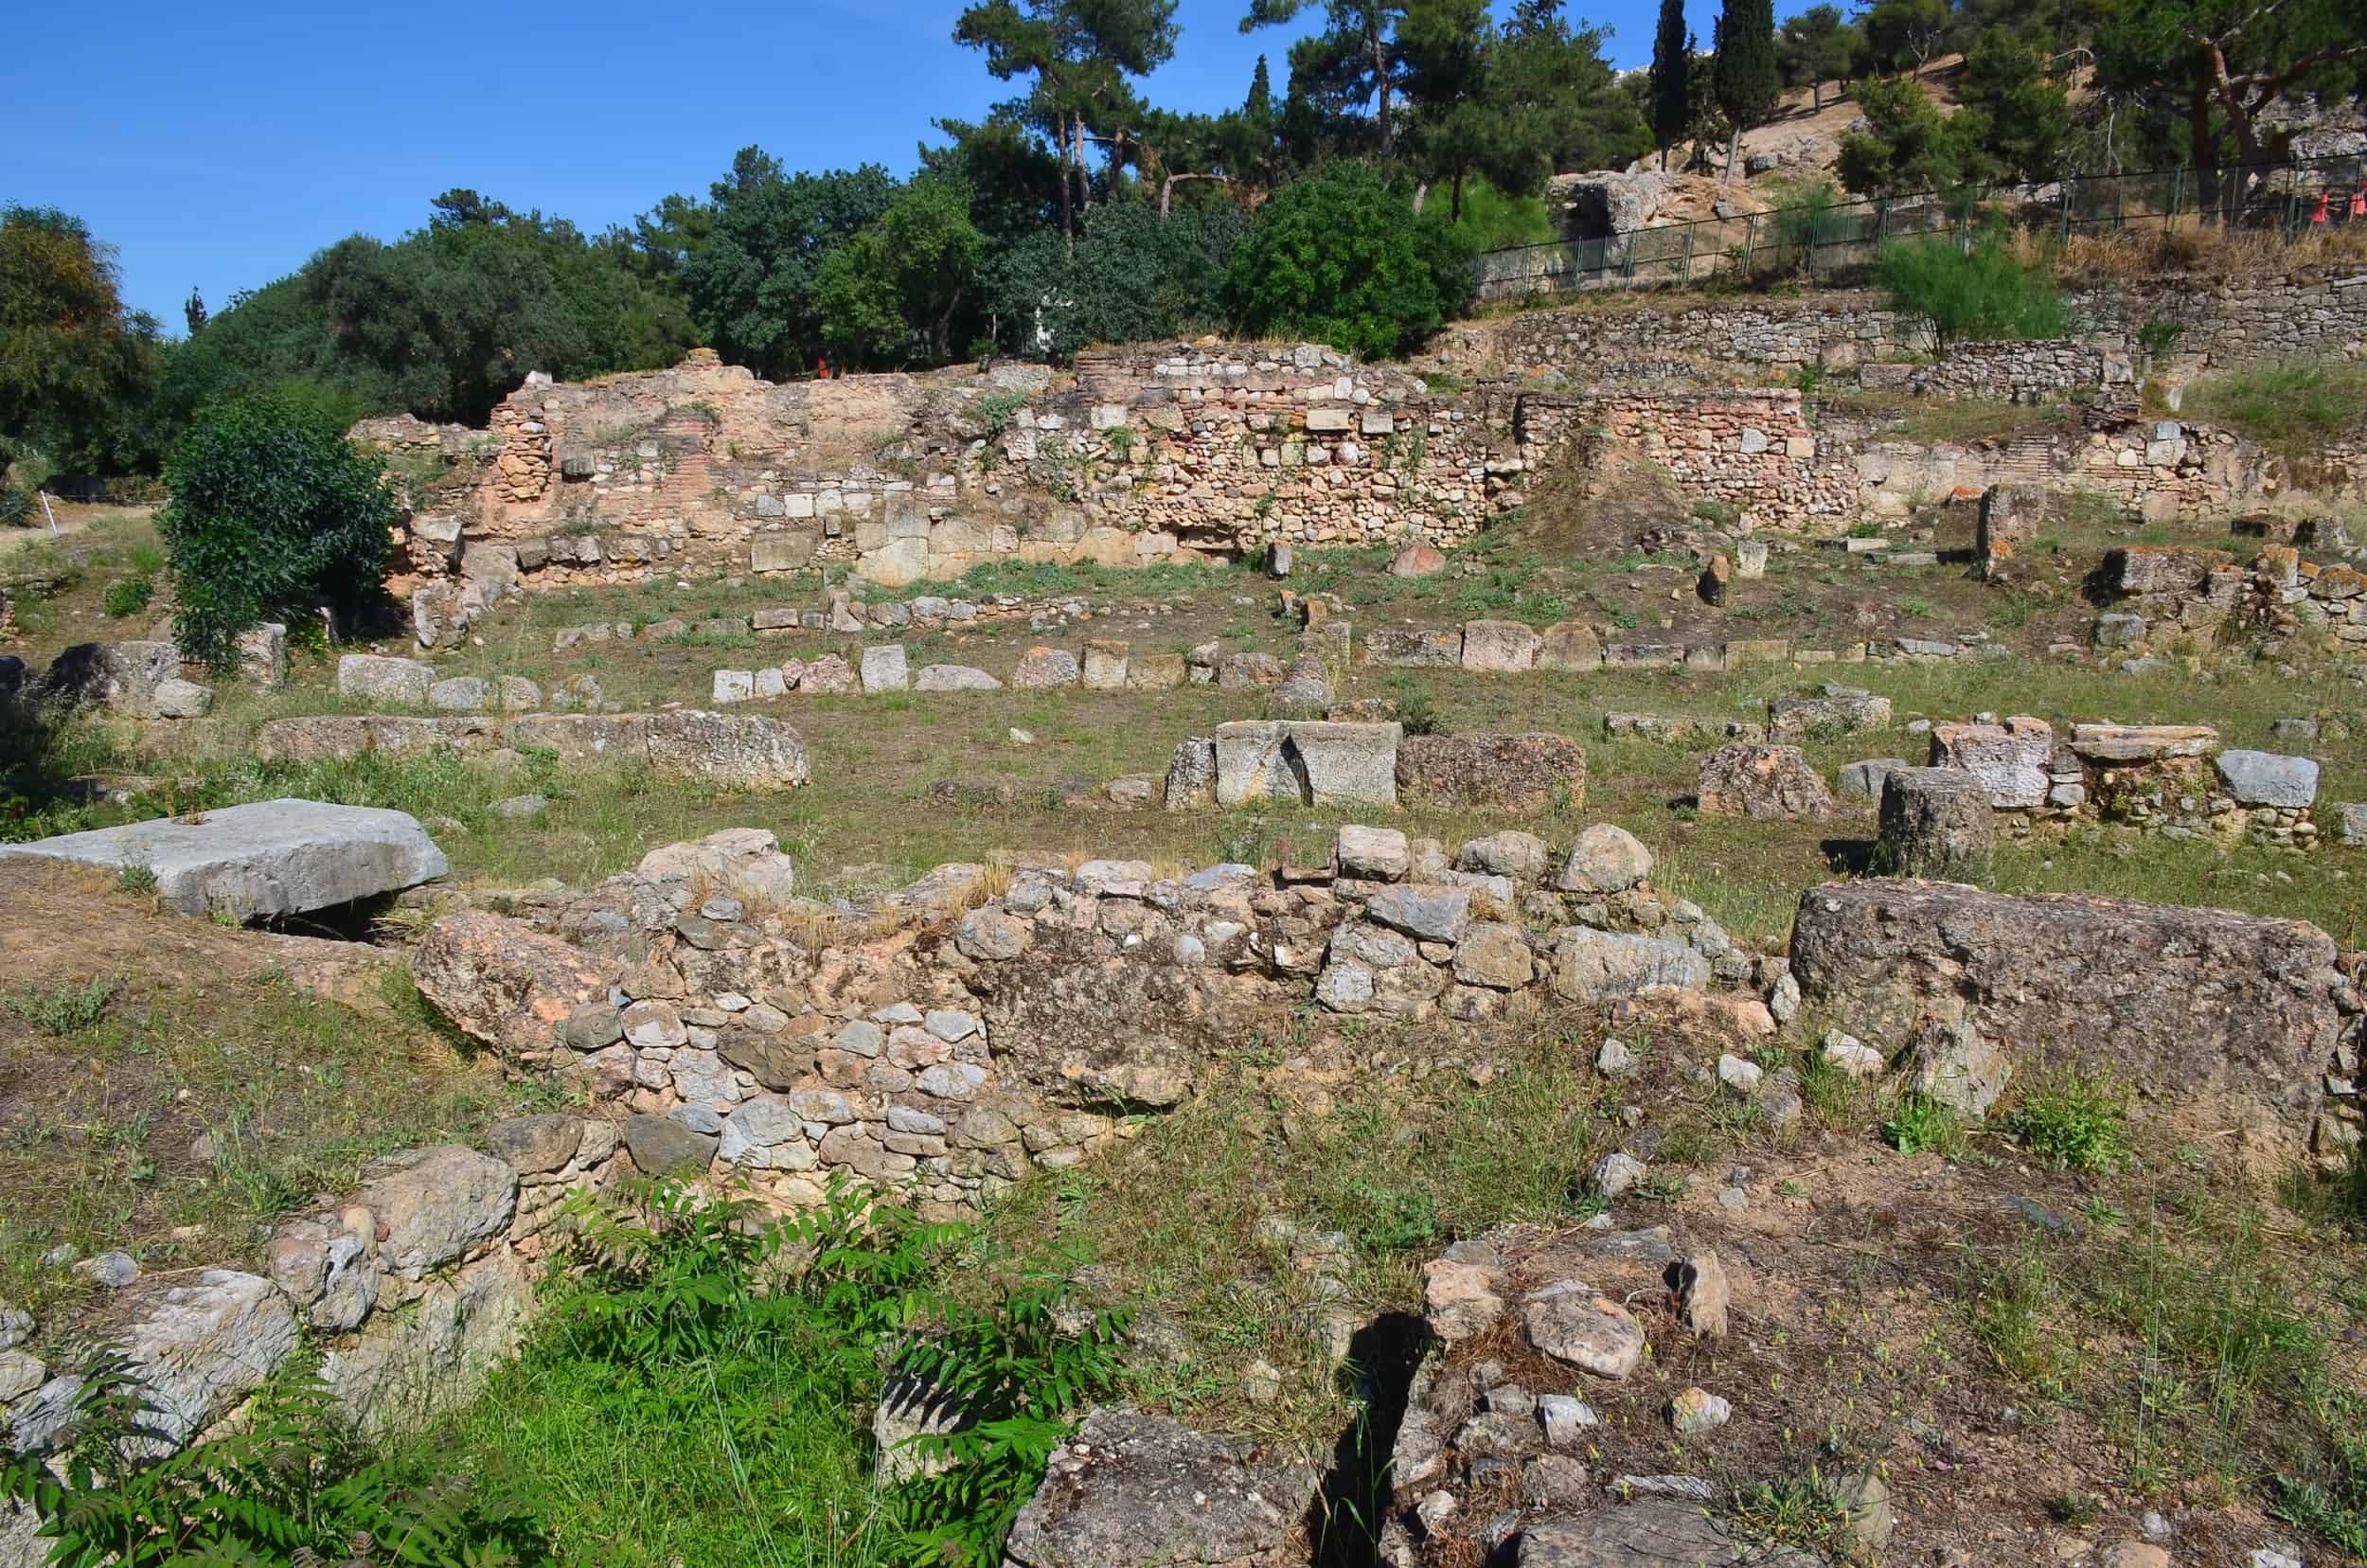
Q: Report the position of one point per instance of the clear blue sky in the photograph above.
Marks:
(221, 145)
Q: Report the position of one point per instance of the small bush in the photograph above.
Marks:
(1417, 713)
(272, 510)
(1923, 1124)
(65, 1009)
(2073, 1121)
(137, 879)
(128, 596)
(16, 507)
(1981, 292)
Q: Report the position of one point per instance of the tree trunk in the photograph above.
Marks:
(1454, 211)
(1816, 98)
(1733, 151)
(1421, 196)
(1068, 223)
(2203, 148)
(1380, 78)
(1085, 176)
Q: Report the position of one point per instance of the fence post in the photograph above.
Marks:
(2177, 194)
(1749, 242)
(1688, 276)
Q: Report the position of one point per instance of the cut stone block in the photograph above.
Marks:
(275, 857)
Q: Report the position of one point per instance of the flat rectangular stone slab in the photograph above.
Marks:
(275, 857)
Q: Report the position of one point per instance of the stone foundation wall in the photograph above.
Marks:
(1754, 451)
(2222, 322)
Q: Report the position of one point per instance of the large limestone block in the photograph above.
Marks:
(1498, 648)
(1764, 783)
(1935, 822)
(1132, 1487)
(434, 1356)
(2181, 1000)
(1312, 762)
(1601, 966)
(2265, 778)
(273, 857)
(1650, 1533)
(384, 682)
(1425, 649)
(2011, 758)
(731, 750)
(1515, 772)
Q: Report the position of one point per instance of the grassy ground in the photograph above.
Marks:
(167, 1088)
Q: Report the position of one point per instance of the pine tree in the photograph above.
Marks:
(1260, 105)
(1672, 65)
(1744, 79)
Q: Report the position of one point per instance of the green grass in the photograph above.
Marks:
(1922, 1125)
(65, 1009)
(2077, 1121)
(2295, 408)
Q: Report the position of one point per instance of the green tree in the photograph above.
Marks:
(1356, 58)
(904, 279)
(1341, 257)
(1907, 146)
(1901, 34)
(1671, 77)
(751, 284)
(1134, 275)
(1743, 74)
(1981, 291)
(1815, 47)
(1079, 54)
(76, 368)
(2217, 65)
(270, 511)
(2021, 113)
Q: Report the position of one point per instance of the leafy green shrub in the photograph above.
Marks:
(271, 511)
(128, 596)
(1417, 712)
(1342, 260)
(1978, 292)
(67, 1007)
(292, 1485)
(1132, 277)
(1921, 1123)
(16, 507)
(2072, 1120)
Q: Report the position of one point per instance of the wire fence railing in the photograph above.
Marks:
(2290, 199)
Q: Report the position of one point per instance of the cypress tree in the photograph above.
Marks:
(1671, 78)
(1260, 105)
(1744, 77)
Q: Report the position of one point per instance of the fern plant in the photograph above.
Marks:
(292, 1485)
(1020, 1370)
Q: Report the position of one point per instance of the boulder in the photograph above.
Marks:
(1652, 1532)
(1105, 665)
(383, 682)
(1416, 561)
(271, 857)
(122, 677)
(1569, 647)
(1576, 1325)
(1191, 783)
(263, 655)
(499, 981)
(1371, 854)
(197, 1342)
(2263, 778)
(941, 677)
(1935, 822)
(1834, 711)
(179, 699)
(433, 1357)
(1306, 689)
(1606, 859)
(2178, 999)
(1511, 853)
(1865, 779)
(1312, 762)
(434, 1206)
(1764, 783)
(660, 1146)
(1514, 772)
(1132, 1488)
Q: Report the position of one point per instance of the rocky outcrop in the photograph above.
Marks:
(2181, 1000)
(1133, 1488)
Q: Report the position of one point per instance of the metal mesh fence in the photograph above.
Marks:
(2289, 199)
